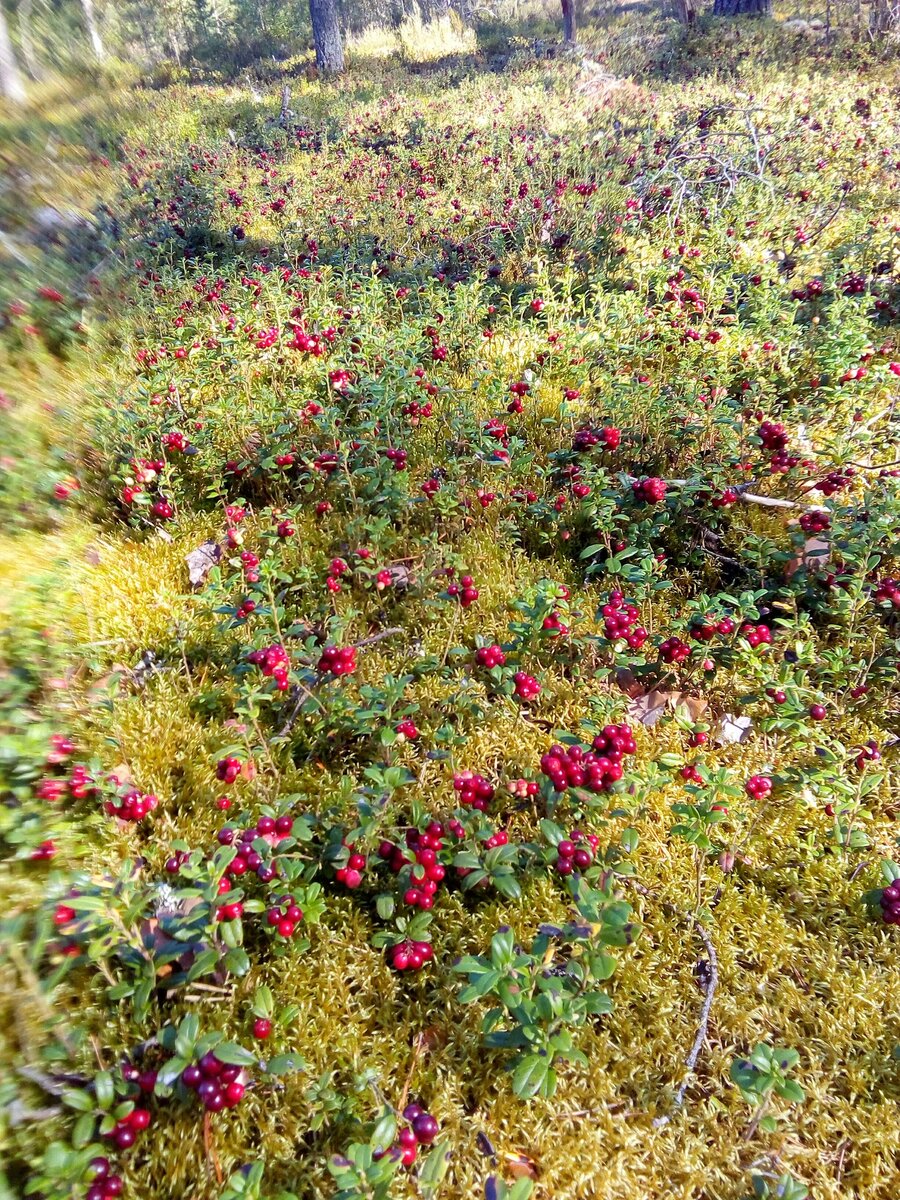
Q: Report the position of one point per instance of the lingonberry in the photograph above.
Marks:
(650, 491)
(338, 660)
(674, 650)
(526, 686)
(490, 656)
(474, 790)
(262, 1028)
(425, 1128)
(758, 786)
(228, 769)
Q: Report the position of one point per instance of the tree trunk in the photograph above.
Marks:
(93, 31)
(742, 8)
(686, 11)
(26, 41)
(11, 85)
(568, 12)
(434, 10)
(327, 36)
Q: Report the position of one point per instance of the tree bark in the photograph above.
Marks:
(434, 10)
(93, 31)
(742, 8)
(568, 12)
(327, 36)
(26, 41)
(11, 85)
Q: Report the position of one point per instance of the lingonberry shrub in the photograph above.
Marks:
(546, 992)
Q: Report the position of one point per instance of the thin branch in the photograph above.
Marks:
(377, 637)
(703, 1026)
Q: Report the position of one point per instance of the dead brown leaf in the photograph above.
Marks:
(649, 707)
(521, 1165)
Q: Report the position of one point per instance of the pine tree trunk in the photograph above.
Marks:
(568, 12)
(26, 41)
(434, 10)
(11, 85)
(93, 31)
(742, 8)
(327, 36)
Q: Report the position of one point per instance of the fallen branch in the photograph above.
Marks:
(767, 501)
(700, 1037)
(302, 693)
(377, 637)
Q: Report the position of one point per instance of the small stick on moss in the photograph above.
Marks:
(210, 1149)
(700, 1038)
(377, 637)
(417, 1054)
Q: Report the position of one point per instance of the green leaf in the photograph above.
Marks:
(284, 1064)
(204, 964)
(235, 1055)
(791, 1091)
(434, 1168)
(530, 1075)
(384, 1132)
(263, 1002)
(83, 1130)
(81, 1101)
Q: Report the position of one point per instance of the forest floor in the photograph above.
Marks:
(465, 514)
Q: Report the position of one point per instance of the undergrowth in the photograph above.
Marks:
(490, 475)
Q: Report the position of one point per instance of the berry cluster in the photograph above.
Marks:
(351, 875)
(464, 591)
(474, 790)
(337, 567)
(888, 592)
(756, 633)
(421, 1131)
(274, 663)
(104, 1185)
(490, 656)
(817, 521)
(427, 873)
(706, 629)
(124, 1133)
(132, 805)
(228, 769)
(338, 660)
(586, 438)
(217, 1084)
(553, 625)
(758, 787)
(527, 687)
(396, 457)
(284, 917)
(870, 752)
(576, 852)
(247, 858)
(596, 769)
(620, 621)
(725, 498)
(773, 436)
(834, 481)
(651, 491)
(890, 904)
(411, 956)
(249, 563)
(673, 650)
